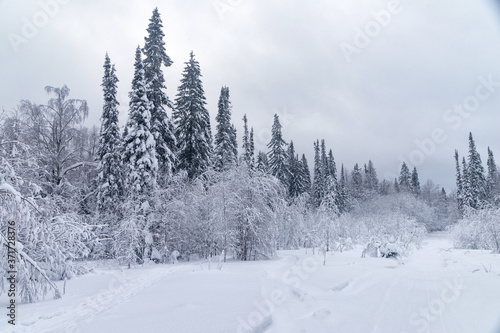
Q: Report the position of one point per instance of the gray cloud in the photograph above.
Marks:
(284, 56)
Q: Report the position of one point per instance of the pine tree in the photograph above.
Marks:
(477, 181)
(162, 127)
(492, 179)
(192, 121)
(262, 162)
(277, 153)
(139, 158)
(460, 187)
(318, 184)
(306, 175)
(404, 178)
(371, 180)
(357, 189)
(342, 192)
(226, 147)
(415, 183)
(295, 176)
(109, 182)
(246, 145)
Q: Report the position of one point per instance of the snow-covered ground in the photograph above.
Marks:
(436, 289)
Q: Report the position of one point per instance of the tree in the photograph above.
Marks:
(318, 185)
(248, 144)
(295, 176)
(53, 128)
(109, 179)
(492, 179)
(476, 178)
(141, 165)
(262, 162)
(371, 180)
(194, 137)
(277, 153)
(415, 183)
(404, 178)
(141, 168)
(357, 183)
(161, 126)
(305, 175)
(460, 185)
(226, 147)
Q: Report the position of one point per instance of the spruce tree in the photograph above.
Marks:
(415, 183)
(342, 197)
(306, 175)
(371, 180)
(162, 127)
(404, 178)
(277, 153)
(192, 121)
(492, 179)
(295, 176)
(476, 181)
(468, 197)
(460, 186)
(247, 158)
(262, 162)
(318, 184)
(139, 158)
(357, 189)
(226, 147)
(109, 182)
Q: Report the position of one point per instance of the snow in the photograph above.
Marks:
(436, 289)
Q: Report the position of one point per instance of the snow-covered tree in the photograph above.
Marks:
(248, 144)
(404, 178)
(262, 162)
(109, 179)
(356, 184)
(476, 180)
(141, 169)
(277, 153)
(460, 185)
(162, 127)
(193, 133)
(226, 147)
(371, 180)
(415, 183)
(492, 179)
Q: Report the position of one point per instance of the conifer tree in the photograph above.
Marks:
(357, 183)
(468, 198)
(476, 178)
(415, 183)
(318, 184)
(162, 127)
(295, 173)
(306, 175)
(277, 153)
(262, 162)
(460, 186)
(140, 161)
(492, 179)
(404, 178)
(371, 180)
(109, 182)
(192, 121)
(342, 191)
(246, 145)
(226, 147)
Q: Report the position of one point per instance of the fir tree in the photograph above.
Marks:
(226, 147)
(468, 198)
(492, 179)
(460, 186)
(357, 189)
(318, 190)
(371, 180)
(415, 183)
(404, 178)
(262, 162)
(246, 145)
(397, 189)
(162, 127)
(277, 153)
(109, 180)
(252, 149)
(194, 137)
(140, 161)
(342, 192)
(295, 176)
(476, 178)
(306, 175)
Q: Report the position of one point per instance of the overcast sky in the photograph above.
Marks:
(381, 80)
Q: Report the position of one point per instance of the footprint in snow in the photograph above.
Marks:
(341, 286)
(322, 314)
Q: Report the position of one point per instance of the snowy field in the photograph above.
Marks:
(435, 289)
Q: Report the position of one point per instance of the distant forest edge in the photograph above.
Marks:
(164, 188)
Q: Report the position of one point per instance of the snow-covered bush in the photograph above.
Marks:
(478, 229)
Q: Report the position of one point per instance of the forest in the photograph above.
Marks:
(168, 185)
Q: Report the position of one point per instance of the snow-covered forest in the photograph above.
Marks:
(171, 186)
